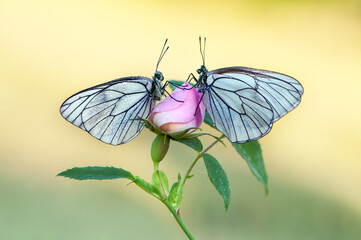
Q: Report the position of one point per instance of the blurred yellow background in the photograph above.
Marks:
(52, 49)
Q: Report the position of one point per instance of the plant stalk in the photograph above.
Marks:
(167, 203)
(197, 158)
(179, 220)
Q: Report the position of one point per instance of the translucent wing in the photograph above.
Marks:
(281, 91)
(244, 102)
(107, 111)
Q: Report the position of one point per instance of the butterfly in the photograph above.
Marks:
(243, 102)
(109, 111)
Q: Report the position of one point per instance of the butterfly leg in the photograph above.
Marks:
(200, 100)
(177, 85)
(191, 77)
(164, 89)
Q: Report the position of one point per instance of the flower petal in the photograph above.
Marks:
(182, 110)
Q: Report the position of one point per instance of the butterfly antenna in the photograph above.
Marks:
(203, 53)
(162, 53)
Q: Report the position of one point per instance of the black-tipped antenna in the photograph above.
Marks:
(162, 53)
(203, 52)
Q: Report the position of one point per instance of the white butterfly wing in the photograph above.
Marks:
(282, 91)
(237, 110)
(107, 111)
(243, 102)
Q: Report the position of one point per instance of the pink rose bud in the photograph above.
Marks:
(178, 111)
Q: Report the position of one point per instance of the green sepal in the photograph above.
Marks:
(96, 173)
(197, 134)
(150, 125)
(252, 153)
(183, 133)
(193, 143)
(159, 148)
(218, 178)
(176, 193)
(160, 182)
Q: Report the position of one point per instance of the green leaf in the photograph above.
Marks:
(194, 143)
(252, 153)
(218, 178)
(208, 120)
(97, 173)
(160, 182)
(176, 193)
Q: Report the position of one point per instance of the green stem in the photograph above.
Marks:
(156, 166)
(179, 220)
(197, 158)
(161, 185)
(169, 205)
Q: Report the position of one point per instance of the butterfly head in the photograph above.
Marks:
(202, 71)
(158, 76)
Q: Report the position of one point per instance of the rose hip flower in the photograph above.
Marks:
(177, 112)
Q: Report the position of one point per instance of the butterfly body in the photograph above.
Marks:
(244, 102)
(157, 88)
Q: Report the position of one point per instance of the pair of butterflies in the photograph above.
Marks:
(242, 102)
